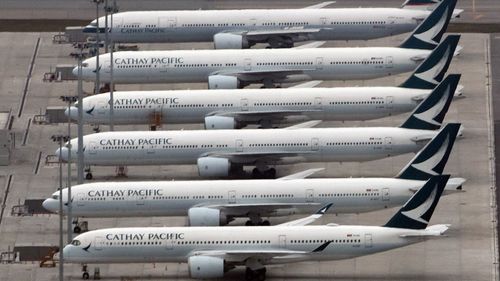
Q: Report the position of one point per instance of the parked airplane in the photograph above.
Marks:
(279, 28)
(213, 203)
(229, 69)
(212, 251)
(223, 152)
(235, 109)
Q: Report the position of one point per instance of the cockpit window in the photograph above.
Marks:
(75, 242)
(55, 197)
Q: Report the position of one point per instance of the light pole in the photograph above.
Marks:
(79, 165)
(97, 43)
(60, 139)
(69, 100)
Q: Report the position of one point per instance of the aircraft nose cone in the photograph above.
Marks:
(71, 112)
(50, 205)
(62, 153)
(56, 256)
(75, 71)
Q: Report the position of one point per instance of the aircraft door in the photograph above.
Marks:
(150, 149)
(309, 195)
(170, 244)
(107, 66)
(388, 143)
(167, 22)
(368, 240)
(389, 101)
(140, 201)
(282, 241)
(318, 103)
(314, 144)
(248, 64)
(319, 63)
(231, 197)
(98, 243)
(102, 106)
(93, 148)
(239, 145)
(388, 62)
(386, 195)
(80, 199)
(324, 21)
(244, 104)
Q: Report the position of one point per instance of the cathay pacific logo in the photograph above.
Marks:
(86, 249)
(428, 165)
(418, 212)
(429, 35)
(98, 69)
(429, 115)
(89, 112)
(431, 74)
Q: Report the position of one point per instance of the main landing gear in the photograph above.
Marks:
(255, 275)
(266, 174)
(80, 226)
(88, 174)
(256, 219)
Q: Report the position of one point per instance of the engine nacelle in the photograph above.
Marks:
(201, 216)
(213, 167)
(205, 267)
(223, 82)
(220, 122)
(230, 41)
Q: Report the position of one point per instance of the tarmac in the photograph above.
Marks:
(469, 252)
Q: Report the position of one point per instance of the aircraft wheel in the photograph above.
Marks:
(85, 276)
(249, 223)
(249, 274)
(77, 229)
(266, 223)
(260, 274)
(88, 176)
(256, 173)
(271, 173)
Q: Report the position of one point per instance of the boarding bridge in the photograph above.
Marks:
(63, 72)
(6, 137)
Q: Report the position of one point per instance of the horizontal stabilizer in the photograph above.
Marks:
(309, 84)
(320, 5)
(433, 230)
(301, 175)
(308, 124)
(315, 44)
(309, 219)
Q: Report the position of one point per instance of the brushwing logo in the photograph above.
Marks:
(86, 249)
(428, 36)
(89, 112)
(428, 165)
(429, 115)
(98, 69)
(431, 74)
(418, 212)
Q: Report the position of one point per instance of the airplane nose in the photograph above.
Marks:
(71, 112)
(75, 71)
(50, 205)
(62, 153)
(56, 256)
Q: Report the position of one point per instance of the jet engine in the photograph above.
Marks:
(205, 267)
(201, 216)
(223, 82)
(213, 167)
(230, 41)
(221, 122)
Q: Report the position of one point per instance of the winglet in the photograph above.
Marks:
(430, 113)
(309, 219)
(431, 160)
(432, 70)
(428, 34)
(320, 5)
(417, 212)
(301, 175)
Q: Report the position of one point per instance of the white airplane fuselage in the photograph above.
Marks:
(175, 198)
(253, 66)
(277, 146)
(281, 105)
(177, 244)
(201, 26)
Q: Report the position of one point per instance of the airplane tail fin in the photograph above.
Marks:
(429, 114)
(431, 160)
(417, 212)
(431, 71)
(429, 32)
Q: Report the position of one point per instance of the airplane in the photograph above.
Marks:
(229, 69)
(237, 108)
(214, 203)
(221, 153)
(212, 251)
(279, 28)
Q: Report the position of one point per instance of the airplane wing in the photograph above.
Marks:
(311, 45)
(308, 124)
(263, 209)
(320, 5)
(309, 219)
(302, 174)
(249, 158)
(261, 114)
(309, 84)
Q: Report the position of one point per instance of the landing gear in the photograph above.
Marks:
(80, 227)
(96, 128)
(267, 174)
(121, 171)
(85, 273)
(256, 219)
(255, 275)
